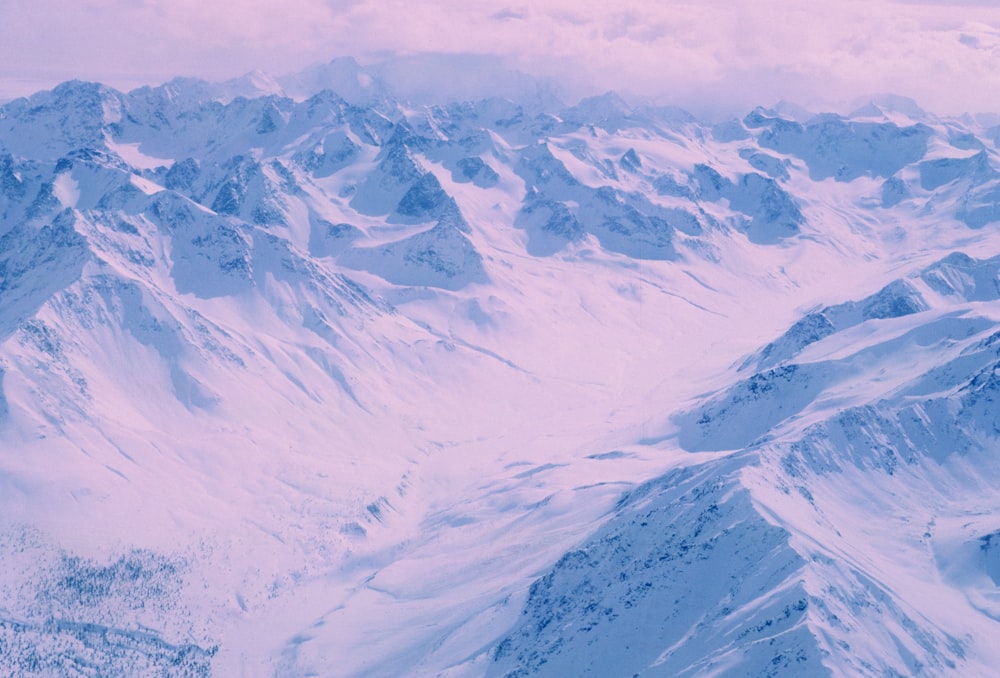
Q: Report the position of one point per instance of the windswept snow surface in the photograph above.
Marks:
(352, 386)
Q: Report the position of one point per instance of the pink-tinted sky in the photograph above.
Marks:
(690, 53)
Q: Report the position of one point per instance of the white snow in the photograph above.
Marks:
(133, 155)
(66, 189)
(368, 481)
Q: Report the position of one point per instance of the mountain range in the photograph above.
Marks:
(321, 375)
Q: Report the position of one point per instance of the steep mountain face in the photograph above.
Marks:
(850, 535)
(344, 385)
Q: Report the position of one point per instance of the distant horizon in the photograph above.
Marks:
(26, 88)
(708, 55)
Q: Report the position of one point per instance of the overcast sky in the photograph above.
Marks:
(819, 54)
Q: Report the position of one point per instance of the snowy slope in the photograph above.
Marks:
(347, 385)
(852, 533)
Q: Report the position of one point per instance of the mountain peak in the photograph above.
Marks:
(888, 106)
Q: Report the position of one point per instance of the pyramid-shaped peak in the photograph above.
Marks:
(884, 105)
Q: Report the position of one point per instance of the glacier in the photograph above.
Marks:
(318, 375)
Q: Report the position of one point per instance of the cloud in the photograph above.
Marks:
(506, 13)
(696, 54)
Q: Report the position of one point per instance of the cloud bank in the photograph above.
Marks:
(695, 54)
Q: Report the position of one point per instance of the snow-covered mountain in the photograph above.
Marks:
(349, 383)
